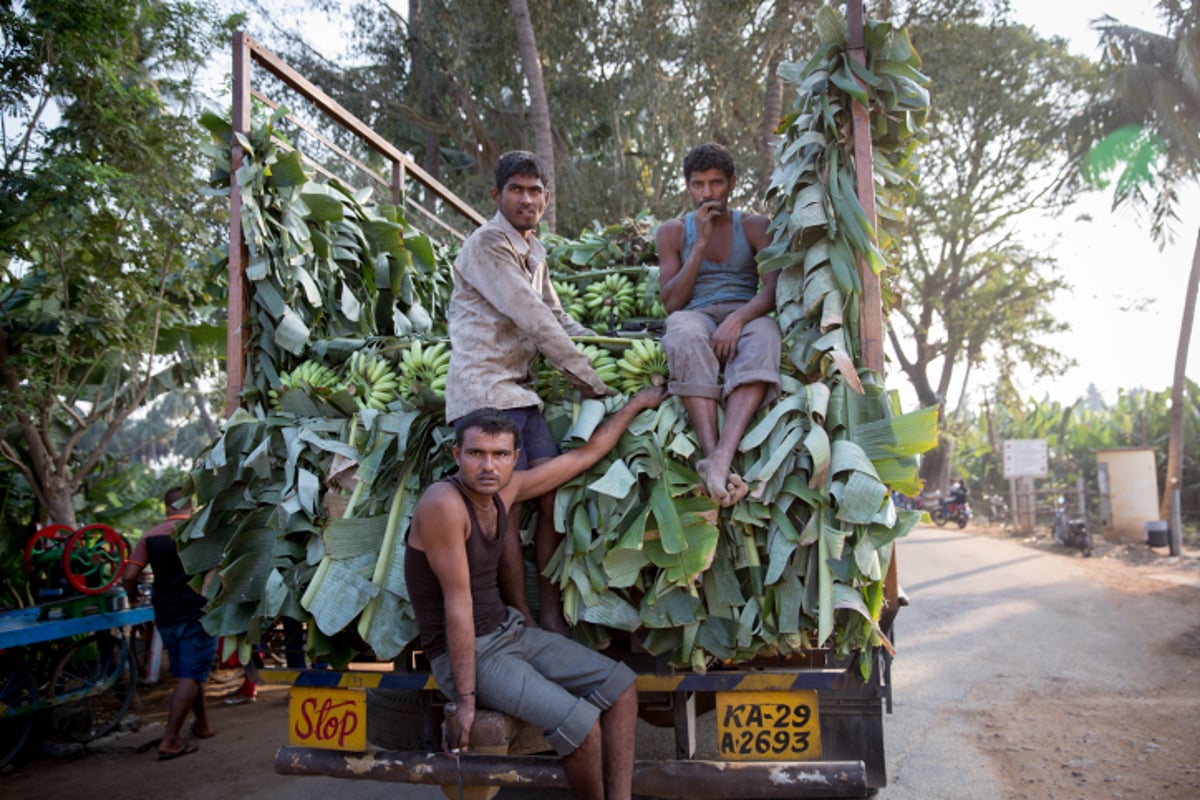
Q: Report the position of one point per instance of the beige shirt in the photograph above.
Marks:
(503, 311)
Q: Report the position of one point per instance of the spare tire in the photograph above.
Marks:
(395, 720)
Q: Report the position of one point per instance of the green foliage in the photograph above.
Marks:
(630, 87)
(1074, 433)
(1140, 124)
(103, 268)
(1143, 124)
(970, 292)
(819, 227)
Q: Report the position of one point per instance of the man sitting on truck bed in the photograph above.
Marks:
(709, 283)
(462, 565)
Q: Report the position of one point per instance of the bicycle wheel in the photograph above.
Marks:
(18, 702)
(92, 687)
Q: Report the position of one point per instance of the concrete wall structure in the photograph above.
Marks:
(1132, 497)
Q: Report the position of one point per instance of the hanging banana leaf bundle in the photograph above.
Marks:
(800, 562)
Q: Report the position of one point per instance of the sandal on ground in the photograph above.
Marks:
(188, 749)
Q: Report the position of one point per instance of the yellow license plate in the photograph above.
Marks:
(768, 726)
(331, 719)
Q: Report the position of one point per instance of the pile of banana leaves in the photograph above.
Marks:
(304, 505)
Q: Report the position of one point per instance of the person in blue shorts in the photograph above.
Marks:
(177, 612)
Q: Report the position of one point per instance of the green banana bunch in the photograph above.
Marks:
(643, 364)
(610, 301)
(372, 379)
(603, 362)
(312, 377)
(550, 384)
(649, 301)
(571, 299)
(425, 366)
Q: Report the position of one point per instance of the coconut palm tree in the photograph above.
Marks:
(1146, 128)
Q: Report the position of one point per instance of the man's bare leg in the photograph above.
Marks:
(702, 411)
(545, 541)
(739, 410)
(182, 699)
(617, 728)
(200, 725)
(583, 767)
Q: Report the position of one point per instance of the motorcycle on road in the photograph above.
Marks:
(949, 509)
(1071, 532)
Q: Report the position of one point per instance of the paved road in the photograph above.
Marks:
(989, 619)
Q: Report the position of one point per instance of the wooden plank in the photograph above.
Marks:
(235, 341)
(871, 315)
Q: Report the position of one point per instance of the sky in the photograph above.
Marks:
(1127, 303)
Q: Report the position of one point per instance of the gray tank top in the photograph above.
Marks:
(734, 280)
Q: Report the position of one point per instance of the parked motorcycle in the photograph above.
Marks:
(1071, 532)
(996, 508)
(949, 509)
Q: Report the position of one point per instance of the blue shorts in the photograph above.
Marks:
(543, 678)
(190, 650)
(536, 440)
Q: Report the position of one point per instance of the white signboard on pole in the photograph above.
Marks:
(1026, 458)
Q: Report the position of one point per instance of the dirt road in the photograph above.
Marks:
(1026, 671)
(1023, 672)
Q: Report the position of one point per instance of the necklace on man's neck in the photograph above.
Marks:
(488, 506)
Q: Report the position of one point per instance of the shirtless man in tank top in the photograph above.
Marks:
(463, 570)
(718, 306)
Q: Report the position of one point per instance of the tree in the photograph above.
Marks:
(970, 292)
(1144, 125)
(629, 88)
(102, 227)
(539, 115)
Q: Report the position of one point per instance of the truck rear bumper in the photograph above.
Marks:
(671, 779)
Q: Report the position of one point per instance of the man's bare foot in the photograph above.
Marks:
(736, 489)
(714, 483)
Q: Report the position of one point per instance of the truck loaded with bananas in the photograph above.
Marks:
(306, 495)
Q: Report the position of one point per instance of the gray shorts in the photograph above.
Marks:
(542, 678)
(695, 370)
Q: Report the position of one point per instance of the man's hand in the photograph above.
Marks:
(725, 339)
(456, 728)
(650, 397)
(706, 214)
(588, 390)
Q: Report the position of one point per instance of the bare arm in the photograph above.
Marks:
(129, 579)
(133, 570)
(551, 474)
(439, 528)
(677, 278)
(512, 575)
